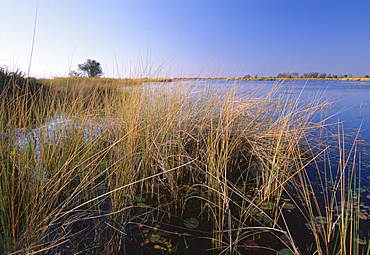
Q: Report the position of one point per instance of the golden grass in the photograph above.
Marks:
(102, 158)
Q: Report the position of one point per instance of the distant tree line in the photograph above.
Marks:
(312, 75)
(248, 76)
(305, 75)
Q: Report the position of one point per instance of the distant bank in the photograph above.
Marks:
(141, 80)
(304, 79)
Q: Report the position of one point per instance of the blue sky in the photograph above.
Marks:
(187, 38)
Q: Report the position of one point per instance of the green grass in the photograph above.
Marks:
(108, 166)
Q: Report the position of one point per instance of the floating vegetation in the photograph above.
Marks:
(361, 189)
(268, 205)
(285, 251)
(322, 220)
(263, 218)
(191, 223)
(154, 238)
(153, 169)
(315, 227)
(289, 206)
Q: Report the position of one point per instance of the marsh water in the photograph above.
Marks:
(348, 107)
(348, 104)
(349, 110)
(347, 113)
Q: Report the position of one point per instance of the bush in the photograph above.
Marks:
(19, 92)
(17, 79)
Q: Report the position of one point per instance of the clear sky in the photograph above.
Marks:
(187, 38)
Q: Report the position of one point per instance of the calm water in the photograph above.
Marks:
(351, 99)
(350, 107)
(350, 104)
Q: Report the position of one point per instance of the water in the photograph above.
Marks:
(351, 107)
(351, 99)
(350, 103)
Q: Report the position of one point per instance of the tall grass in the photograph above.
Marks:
(112, 167)
(332, 202)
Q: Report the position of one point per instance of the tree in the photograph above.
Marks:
(311, 75)
(283, 75)
(91, 67)
(288, 75)
(75, 74)
(314, 74)
(295, 75)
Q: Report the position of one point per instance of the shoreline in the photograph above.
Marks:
(103, 79)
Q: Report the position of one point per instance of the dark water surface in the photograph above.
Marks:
(349, 107)
(349, 103)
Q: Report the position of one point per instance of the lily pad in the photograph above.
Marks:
(263, 219)
(253, 211)
(286, 251)
(268, 206)
(142, 205)
(191, 223)
(155, 238)
(361, 190)
(266, 220)
(140, 199)
(321, 220)
(314, 227)
(289, 206)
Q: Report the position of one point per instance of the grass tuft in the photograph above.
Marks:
(122, 167)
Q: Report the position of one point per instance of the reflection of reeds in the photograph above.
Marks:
(121, 156)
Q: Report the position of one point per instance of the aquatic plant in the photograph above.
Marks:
(122, 166)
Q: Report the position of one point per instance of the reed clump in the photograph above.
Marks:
(113, 166)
